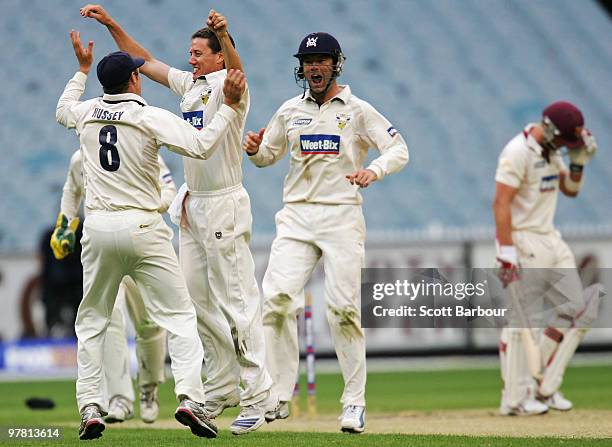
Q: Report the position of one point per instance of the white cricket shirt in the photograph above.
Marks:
(200, 100)
(521, 165)
(327, 143)
(120, 138)
(74, 186)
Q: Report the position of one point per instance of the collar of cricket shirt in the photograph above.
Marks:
(214, 76)
(531, 142)
(343, 95)
(124, 97)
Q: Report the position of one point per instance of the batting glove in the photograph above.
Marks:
(507, 264)
(582, 155)
(64, 237)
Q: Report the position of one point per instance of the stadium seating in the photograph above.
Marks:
(457, 79)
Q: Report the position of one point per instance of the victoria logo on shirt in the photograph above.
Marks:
(205, 96)
(320, 144)
(196, 119)
(548, 183)
(342, 119)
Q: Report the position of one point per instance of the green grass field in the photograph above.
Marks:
(413, 394)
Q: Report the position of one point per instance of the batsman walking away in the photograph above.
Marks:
(534, 259)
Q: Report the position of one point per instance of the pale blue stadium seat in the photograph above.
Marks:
(458, 79)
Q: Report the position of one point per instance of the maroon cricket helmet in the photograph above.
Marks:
(568, 121)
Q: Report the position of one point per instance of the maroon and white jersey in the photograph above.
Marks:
(521, 165)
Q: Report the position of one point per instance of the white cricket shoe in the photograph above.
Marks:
(252, 417)
(120, 409)
(281, 411)
(557, 402)
(92, 424)
(149, 403)
(353, 419)
(527, 407)
(193, 415)
(214, 408)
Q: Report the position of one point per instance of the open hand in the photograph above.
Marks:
(83, 55)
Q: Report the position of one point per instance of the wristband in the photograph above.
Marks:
(576, 169)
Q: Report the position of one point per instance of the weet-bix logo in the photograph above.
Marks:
(320, 144)
(196, 119)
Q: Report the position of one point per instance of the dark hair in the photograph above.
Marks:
(117, 89)
(213, 42)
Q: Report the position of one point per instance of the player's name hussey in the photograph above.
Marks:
(106, 115)
(443, 311)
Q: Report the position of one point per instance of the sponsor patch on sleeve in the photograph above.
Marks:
(167, 177)
(392, 131)
(320, 144)
(196, 119)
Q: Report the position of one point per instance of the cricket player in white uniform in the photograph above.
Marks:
(150, 338)
(327, 132)
(215, 214)
(530, 173)
(124, 234)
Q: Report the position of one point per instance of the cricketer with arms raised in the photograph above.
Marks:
(123, 232)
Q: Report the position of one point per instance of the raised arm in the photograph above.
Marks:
(67, 110)
(570, 182)
(218, 24)
(182, 138)
(153, 68)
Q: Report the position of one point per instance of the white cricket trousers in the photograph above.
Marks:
(134, 243)
(220, 274)
(304, 233)
(150, 345)
(548, 272)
